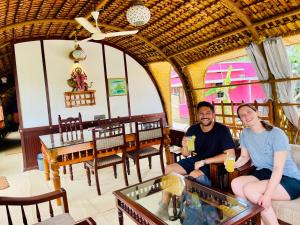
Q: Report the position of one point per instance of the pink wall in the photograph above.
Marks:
(242, 72)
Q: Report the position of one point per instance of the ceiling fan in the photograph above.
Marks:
(97, 34)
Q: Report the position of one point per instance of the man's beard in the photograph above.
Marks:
(206, 124)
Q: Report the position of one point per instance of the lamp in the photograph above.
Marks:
(138, 14)
(77, 54)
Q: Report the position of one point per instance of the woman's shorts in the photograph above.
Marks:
(291, 185)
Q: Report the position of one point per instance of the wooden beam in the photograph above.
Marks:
(257, 24)
(99, 6)
(241, 16)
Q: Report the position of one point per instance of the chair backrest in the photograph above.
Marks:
(34, 200)
(295, 150)
(176, 137)
(108, 140)
(70, 128)
(149, 133)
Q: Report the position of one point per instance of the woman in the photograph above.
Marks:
(276, 176)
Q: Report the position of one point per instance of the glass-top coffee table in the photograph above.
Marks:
(197, 204)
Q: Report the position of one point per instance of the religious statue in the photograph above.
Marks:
(78, 80)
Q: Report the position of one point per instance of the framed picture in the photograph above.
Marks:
(117, 86)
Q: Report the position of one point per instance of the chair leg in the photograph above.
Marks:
(162, 162)
(150, 162)
(125, 173)
(71, 172)
(97, 182)
(128, 165)
(88, 175)
(115, 171)
(137, 163)
(64, 170)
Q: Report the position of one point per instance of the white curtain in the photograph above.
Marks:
(281, 68)
(260, 66)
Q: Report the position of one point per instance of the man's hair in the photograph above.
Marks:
(266, 125)
(206, 104)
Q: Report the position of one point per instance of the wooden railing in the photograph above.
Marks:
(226, 114)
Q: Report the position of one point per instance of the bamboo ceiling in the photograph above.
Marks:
(180, 31)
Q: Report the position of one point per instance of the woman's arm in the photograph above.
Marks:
(243, 159)
(279, 162)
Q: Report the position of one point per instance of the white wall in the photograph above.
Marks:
(116, 69)
(31, 81)
(59, 70)
(144, 98)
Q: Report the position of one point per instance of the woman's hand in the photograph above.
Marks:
(265, 201)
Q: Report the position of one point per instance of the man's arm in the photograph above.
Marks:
(216, 159)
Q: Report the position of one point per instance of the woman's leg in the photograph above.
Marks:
(255, 190)
(237, 185)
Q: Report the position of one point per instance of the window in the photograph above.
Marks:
(180, 112)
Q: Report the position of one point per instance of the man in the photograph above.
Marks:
(212, 140)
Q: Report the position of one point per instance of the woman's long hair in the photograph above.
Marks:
(266, 125)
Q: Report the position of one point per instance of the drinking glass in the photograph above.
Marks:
(229, 163)
(191, 143)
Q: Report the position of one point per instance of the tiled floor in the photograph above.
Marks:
(83, 200)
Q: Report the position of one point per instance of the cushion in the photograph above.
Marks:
(288, 211)
(62, 219)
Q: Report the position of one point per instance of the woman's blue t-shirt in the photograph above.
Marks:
(262, 146)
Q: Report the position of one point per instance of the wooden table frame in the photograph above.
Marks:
(82, 152)
(140, 215)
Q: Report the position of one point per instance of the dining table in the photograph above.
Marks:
(59, 151)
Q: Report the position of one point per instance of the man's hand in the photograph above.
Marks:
(184, 151)
(199, 164)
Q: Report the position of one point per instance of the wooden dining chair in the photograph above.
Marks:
(108, 144)
(61, 219)
(71, 130)
(148, 134)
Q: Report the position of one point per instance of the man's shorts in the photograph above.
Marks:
(188, 165)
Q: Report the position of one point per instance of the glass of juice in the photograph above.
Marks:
(229, 163)
(191, 143)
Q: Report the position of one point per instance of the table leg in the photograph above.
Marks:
(46, 167)
(120, 214)
(56, 179)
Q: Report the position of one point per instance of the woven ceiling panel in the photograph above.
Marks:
(182, 30)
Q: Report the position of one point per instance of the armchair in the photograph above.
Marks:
(286, 211)
(62, 219)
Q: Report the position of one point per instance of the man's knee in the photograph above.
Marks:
(174, 167)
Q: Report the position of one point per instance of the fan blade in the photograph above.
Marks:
(87, 25)
(84, 40)
(121, 33)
